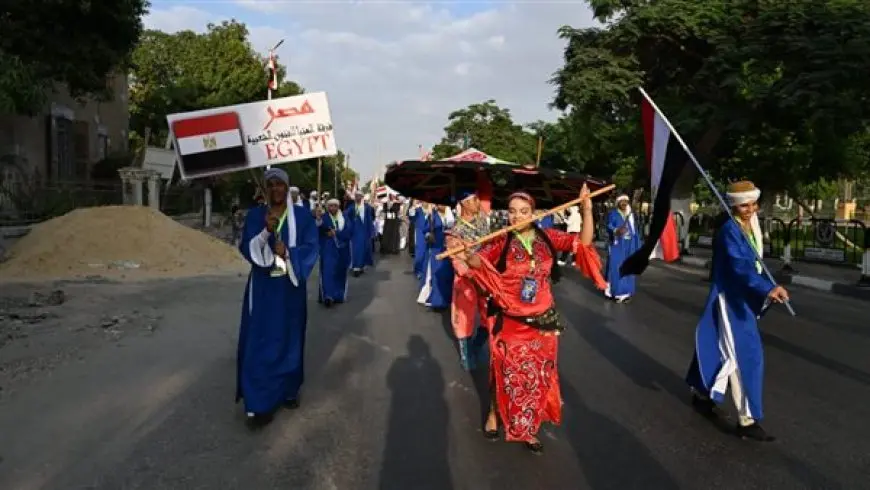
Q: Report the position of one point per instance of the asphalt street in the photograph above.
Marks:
(386, 405)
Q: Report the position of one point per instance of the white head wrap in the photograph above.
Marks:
(313, 194)
(294, 189)
(333, 201)
(738, 198)
(623, 197)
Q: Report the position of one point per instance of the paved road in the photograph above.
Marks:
(154, 410)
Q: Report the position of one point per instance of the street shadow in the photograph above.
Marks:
(611, 457)
(676, 303)
(771, 340)
(341, 320)
(416, 451)
(638, 366)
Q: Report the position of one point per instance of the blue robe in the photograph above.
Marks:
(727, 336)
(546, 222)
(420, 257)
(274, 312)
(362, 236)
(334, 259)
(618, 249)
(437, 290)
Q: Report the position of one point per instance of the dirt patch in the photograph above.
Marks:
(119, 242)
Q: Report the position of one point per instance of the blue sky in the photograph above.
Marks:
(394, 70)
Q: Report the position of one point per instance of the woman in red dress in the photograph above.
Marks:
(518, 271)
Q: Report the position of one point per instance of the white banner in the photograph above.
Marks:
(245, 136)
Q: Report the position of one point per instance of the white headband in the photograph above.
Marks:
(333, 201)
(738, 198)
(622, 198)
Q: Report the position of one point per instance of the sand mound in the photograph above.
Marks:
(120, 242)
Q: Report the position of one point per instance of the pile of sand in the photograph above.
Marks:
(119, 242)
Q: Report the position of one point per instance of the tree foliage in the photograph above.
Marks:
(762, 89)
(78, 44)
(490, 129)
(187, 71)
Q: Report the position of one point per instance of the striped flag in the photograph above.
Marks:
(209, 144)
(662, 151)
(666, 161)
(273, 72)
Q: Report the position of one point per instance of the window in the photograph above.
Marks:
(66, 169)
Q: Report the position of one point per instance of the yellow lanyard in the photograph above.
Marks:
(281, 223)
(528, 244)
(754, 244)
(334, 222)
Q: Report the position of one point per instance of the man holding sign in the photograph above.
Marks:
(281, 243)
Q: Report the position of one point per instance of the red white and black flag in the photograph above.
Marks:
(667, 160)
(273, 72)
(209, 144)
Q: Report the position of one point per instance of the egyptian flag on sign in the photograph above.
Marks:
(666, 160)
(210, 144)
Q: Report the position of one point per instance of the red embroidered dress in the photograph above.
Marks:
(523, 367)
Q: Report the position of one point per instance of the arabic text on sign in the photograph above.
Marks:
(305, 108)
(291, 132)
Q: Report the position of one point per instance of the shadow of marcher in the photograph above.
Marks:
(605, 450)
(415, 455)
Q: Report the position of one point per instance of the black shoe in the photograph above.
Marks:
(258, 420)
(328, 303)
(704, 406)
(535, 448)
(753, 432)
(291, 404)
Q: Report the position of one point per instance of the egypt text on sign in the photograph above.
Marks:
(228, 139)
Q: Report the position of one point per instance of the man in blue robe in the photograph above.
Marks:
(280, 242)
(417, 216)
(362, 217)
(437, 285)
(335, 234)
(623, 240)
(728, 349)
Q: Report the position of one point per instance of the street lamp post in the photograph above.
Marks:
(274, 69)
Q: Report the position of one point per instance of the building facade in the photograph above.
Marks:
(61, 144)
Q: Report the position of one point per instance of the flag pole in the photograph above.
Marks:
(710, 184)
(540, 149)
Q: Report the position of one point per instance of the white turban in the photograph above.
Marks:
(743, 197)
(333, 201)
(313, 194)
(294, 189)
(622, 198)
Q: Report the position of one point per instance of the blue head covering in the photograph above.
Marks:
(464, 194)
(276, 173)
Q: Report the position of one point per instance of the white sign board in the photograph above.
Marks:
(160, 160)
(246, 136)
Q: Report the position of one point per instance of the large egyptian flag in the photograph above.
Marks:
(666, 160)
(210, 144)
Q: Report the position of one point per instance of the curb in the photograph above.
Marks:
(807, 282)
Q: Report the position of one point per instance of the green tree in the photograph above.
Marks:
(187, 71)
(761, 90)
(78, 44)
(490, 129)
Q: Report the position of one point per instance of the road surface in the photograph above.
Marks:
(130, 386)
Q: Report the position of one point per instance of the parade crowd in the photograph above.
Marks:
(498, 293)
